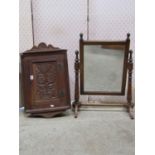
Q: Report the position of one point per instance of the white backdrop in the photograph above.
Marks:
(25, 25)
(59, 22)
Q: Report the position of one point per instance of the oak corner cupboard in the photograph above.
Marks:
(45, 80)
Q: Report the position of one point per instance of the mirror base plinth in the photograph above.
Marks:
(77, 105)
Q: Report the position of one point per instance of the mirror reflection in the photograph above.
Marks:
(103, 67)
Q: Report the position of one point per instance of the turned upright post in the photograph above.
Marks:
(77, 77)
(76, 95)
(129, 91)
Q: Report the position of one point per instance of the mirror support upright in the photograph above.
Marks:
(76, 103)
(129, 91)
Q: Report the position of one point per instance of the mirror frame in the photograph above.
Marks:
(82, 43)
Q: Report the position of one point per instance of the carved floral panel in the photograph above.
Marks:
(44, 81)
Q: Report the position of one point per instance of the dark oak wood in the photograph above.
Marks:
(76, 103)
(45, 80)
(109, 104)
(127, 68)
(46, 115)
(129, 91)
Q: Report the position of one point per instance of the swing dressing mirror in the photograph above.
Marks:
(103, 67)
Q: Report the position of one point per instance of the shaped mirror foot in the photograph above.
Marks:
(131, 112)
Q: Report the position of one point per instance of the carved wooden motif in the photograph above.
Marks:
(45, 83)
(43, 46)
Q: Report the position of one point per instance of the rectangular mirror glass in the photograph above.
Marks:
(103, 68)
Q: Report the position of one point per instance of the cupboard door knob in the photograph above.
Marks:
(31, 77)
(52, 105)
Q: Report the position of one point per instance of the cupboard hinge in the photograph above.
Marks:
(60, 66)
(61, 93)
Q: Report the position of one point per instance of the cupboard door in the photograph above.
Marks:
(47, 76)
(44, 84)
